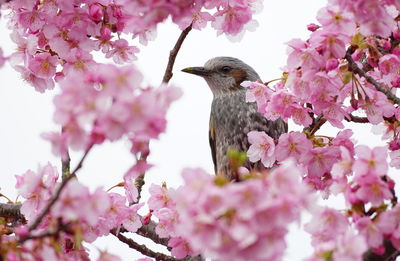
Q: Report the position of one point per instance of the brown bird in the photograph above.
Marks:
(231, 116)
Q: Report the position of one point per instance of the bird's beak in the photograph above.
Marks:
(200, 71)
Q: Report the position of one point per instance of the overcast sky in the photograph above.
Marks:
(24, 113)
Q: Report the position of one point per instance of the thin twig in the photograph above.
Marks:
(51, 202)
(40, 236)
(354, 67)
(173, 53)
(56, 195)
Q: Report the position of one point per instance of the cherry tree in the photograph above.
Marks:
(346, 71)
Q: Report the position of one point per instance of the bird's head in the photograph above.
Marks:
(224, 74)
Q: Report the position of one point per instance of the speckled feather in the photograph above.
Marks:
(231, 116)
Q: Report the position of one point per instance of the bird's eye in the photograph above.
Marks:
(225, 69)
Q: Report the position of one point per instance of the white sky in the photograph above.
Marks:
(24, 113)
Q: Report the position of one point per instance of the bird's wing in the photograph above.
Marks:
(212, 139)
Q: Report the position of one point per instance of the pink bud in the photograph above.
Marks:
(105, 33)
(385, 44)
(396, 51)
(379, 250)
(313, 27)
(146, 219)
(396, 81)
(96, 12)
(97, 136)
(331, 64)
(357, 55)
(396, 34)
(394, 144)
(22, 231)
(373, 62)
(354, 103)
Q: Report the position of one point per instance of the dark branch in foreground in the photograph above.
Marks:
(390, 254)
(354, 67)
(173, 53)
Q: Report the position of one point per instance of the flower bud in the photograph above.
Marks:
(331, 64)
(394, 144)
(96, 12)
(313, 27)
(354, 103)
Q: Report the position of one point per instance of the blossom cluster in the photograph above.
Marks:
(318, 80)
(106, 103)
(77, 216)
(348, 66)
(54, 35)
(234, 221)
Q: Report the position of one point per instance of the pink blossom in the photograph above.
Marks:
(395, 159)
(40, 84)
(320, 160)
(235, 221)
(180, 248)
(159, 197)
(370, 161)
(36, 188)
(43, 65)
(373, 189)
(326, 224)
(231, 20)
(336, 20)
(262, 148)
(349, 247)
(293, 144)
(133, 222)
(370, 231)
(122, 52)
(389, 63)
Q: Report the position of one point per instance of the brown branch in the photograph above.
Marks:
(356, 119)
(39, 236)
(354, 68)
(316, 125)
(149, 231)
(173, 53)
(142, 248)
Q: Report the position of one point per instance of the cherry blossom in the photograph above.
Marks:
(262, 148)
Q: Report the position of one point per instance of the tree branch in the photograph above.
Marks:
(149, 231)
(354, 68)
(173, 53)
(142, 248)
(356, 119)
(316, 125)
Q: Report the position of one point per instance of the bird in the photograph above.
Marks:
(231, 117)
